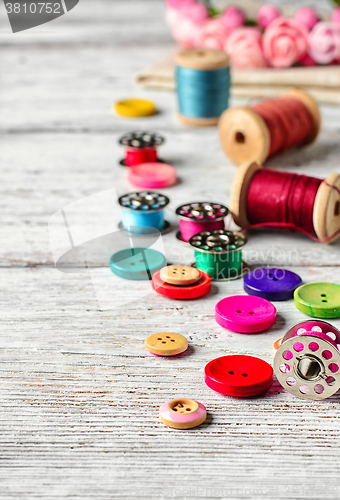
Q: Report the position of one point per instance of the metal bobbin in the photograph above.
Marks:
(200, 216)
(144, 209)
(219, 254)
(307, 363)
(141, 147)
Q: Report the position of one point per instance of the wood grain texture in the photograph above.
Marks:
(79, 392)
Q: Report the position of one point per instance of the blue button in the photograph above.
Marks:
(137, 263)
(272, 283)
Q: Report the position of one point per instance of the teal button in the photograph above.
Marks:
(320, 300)
(137, 263)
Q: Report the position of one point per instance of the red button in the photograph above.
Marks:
(238, 375)
(198, 289)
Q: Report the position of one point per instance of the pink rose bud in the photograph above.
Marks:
(306, 16)
(324, 43)
(186, 33)
(336, 16)
(213, 34)
(179, 4)
(244, 47)
(197, 13)
(307, 60)
(284, 42)
(266, 14)
(233, 17)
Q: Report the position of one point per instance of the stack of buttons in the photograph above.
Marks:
(181, 282)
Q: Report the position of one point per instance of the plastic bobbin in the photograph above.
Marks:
(245, 137)
(144, 209)
(200, 216)
(182, 413)
(152, 175)
(245, 314)
(219, 253)
(271, 283)
(136, 263)
(166, 344)
(320, 300)
(238, 375)
(308, 360)
(326, 210)
(184, 291)
(141, 147)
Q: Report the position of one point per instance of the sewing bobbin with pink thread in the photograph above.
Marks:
(198, 217)
(307, 363)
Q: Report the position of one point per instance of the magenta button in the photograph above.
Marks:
(152, 175)
(245, 314)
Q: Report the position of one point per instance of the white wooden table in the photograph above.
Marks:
(79, 393)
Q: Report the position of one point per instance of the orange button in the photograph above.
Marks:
(166, 344)
(179, 275)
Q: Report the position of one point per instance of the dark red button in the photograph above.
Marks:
(198, 289)
(240, 376)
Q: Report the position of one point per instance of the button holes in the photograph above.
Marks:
(325, 300)
(141, 260)
(164, 342)
(244, 374)
(167, 337)
(231, 372)
(270, 275)
(188, 409)
(159, 338)
(238, 311)
(132, 263)
(174, 409)
(250, 312)
(323, 295)
(275, 279)
(337, 209)
(172, 340)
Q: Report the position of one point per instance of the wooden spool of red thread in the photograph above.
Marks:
(246, 136)
(324, 213)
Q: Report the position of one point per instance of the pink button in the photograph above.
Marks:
(152, 175)
(245, 313)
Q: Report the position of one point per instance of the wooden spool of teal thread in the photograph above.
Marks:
(218, 253)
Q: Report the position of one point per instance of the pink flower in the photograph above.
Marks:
(172, 17)
(306, 16)
(197, 13)
(245, 48)
(233, 17)
(324, 42)
(186, 33)
(284, 42)
(213, 34)
(179, 4)
(336, 16)
(266, 14)
(307, 60)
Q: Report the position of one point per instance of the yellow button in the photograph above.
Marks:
(166, 344)
(179, 275)
(135, 108)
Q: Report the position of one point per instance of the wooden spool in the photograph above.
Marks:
(326, 212)
(245, 137)
(204, 60)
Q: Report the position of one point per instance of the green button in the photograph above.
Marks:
(320, 300)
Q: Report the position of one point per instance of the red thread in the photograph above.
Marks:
(136, 156)
(283, 200)
(289, 123)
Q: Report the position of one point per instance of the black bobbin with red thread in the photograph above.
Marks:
(141, 147)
